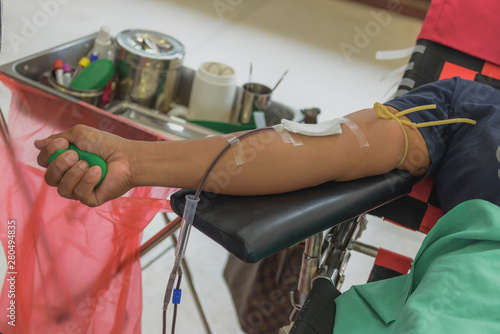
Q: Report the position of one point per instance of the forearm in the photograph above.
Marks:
(173, 163)
(269, 166)
(184, 163)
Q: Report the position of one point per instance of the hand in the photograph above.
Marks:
(74, 179)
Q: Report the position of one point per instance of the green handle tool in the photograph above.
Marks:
(91, 159)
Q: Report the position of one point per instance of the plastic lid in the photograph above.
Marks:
(84, 62)
(217, 73)
(103, 36)
(58, 64)
(95, 76)
(140, 47)
(67, 68)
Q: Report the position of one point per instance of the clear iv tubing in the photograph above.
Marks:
(187, 223)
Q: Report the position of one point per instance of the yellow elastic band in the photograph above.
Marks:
(382, 111)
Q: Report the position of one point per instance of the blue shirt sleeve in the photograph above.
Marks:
(465, 158)
(440, 93)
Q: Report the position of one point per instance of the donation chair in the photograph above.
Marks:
(255, 227)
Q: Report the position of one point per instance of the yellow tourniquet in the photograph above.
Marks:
(382, 111)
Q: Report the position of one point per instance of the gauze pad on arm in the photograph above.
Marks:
(326, 128)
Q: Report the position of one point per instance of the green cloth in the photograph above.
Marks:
(453, 287)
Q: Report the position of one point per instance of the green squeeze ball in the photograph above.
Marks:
(91, 159)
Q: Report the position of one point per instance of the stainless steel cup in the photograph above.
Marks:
(255, 97)
(93, 97)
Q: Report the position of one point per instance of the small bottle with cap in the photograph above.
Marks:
(103, 45)
(58, 66)
(67, 77)
(84, 62)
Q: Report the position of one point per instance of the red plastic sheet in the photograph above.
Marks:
(71, 269)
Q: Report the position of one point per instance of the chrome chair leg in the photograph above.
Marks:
(310, 262)
(339, 243)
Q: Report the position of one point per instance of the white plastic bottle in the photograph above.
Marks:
(67, 76)
(103, 45)
(213, 93)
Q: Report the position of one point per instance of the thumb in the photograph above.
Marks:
(40, 143)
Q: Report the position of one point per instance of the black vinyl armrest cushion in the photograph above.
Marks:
(254, 227)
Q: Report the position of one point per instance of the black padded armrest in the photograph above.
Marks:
(254, 227)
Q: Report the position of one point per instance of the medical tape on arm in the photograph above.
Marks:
(327, 128)
(286, 136)
(237, 148)
(358, 133)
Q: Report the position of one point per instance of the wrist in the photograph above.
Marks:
(143, 158)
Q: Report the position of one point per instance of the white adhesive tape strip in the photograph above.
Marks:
(237, 148)
(407, 82)
(420, 48)
(394, 54)
(285, 135)
(399, 54)
(398, 71)
(401, 92)
(358, 133)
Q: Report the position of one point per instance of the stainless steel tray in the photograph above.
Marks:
(31, 70)
(169, 126)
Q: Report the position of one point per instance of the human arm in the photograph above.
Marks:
(271, 165)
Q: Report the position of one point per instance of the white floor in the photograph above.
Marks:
(328, 46)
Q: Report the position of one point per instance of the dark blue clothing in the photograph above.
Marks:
(465, 158)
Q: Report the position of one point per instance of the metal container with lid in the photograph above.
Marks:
(147, 64)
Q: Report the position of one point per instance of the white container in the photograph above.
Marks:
(213, 93)
(103, 45)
